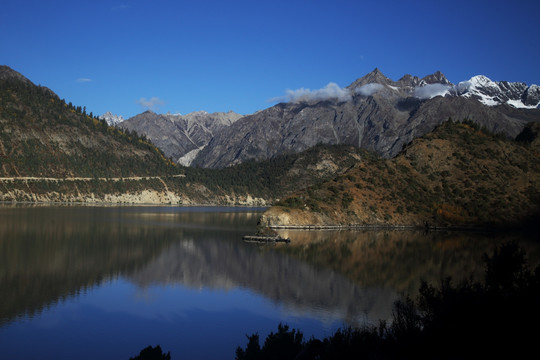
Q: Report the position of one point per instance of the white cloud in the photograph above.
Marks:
(330, 91)
(431, 90)
(84, 80)
(368, 89)
(151, 103)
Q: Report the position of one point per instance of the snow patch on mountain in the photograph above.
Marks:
(111, 118)
(485, 90)
(188, 158)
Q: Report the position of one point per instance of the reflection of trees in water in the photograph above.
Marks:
(50, 255)
(398, 260)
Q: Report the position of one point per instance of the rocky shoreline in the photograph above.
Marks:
(145, 197)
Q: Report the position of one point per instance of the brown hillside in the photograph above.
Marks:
(458, 175)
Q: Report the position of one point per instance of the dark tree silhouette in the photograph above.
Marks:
(152, 353)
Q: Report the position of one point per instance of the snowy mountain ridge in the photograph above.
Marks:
(479, 87)
(488, 92)
(111, 118)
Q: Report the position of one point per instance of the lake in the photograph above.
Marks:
(87, 282)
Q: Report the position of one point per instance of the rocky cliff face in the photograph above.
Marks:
(180, 137)
(377, 114)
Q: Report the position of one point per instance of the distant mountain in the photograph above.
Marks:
(180, 137)
(111, 118)
(456, 176)
(374, 113)
(51, 151)
(492, 93)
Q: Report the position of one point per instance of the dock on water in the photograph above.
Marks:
(265, 239)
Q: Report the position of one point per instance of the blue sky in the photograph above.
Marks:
(182, 56)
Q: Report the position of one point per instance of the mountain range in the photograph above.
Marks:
(373, 113)
(457, 174)
(52, 151)
(180, 137)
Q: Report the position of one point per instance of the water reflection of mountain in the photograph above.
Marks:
(218, 263)
(349, 274)
(49, 254)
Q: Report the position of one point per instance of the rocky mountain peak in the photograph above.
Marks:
(436, 78)
(410, 81)
(112, 119)
(531, 96)
(374, 77)
(493, 93)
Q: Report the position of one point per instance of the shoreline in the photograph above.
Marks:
(123, 204)
(379, 227)
(523, 228)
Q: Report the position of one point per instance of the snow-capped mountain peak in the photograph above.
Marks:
(494, 93)
(111, 118)
(485, 90)
(481, 88)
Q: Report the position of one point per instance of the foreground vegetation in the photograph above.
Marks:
(469, 320)
(492, 318)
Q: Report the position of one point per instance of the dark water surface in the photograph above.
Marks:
(104, 282)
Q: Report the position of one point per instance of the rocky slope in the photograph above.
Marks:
(374, 113)
(180, 137)
(457, 175)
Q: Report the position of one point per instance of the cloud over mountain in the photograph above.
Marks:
(330, 91)
(151, 103)
(368, 89)
(431, 90)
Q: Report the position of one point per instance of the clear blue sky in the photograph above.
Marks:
(236, 55)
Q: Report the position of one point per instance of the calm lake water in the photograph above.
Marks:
(105, 282)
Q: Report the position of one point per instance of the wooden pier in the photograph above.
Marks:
(265, 239)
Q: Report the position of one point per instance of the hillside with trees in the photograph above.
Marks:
(456, 176)
(43, 136)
